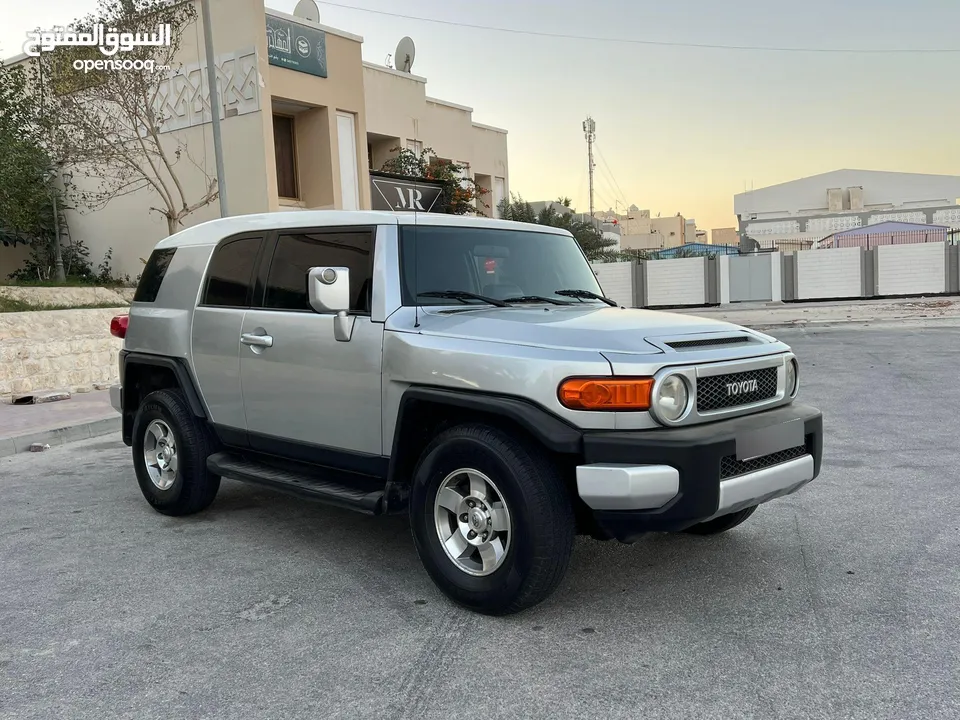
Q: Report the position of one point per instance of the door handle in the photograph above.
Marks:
(262, 341)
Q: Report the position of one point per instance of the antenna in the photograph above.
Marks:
(308, 10)
(406, 52)
(590, 133)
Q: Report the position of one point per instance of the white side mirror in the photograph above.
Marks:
(328, 289)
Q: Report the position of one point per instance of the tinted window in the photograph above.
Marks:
(497, 263)
(153, 273)
(296, 254)
(230, 278)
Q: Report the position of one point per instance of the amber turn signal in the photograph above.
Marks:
(606, 393)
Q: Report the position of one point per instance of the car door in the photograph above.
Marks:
(308, 395)
(227, 292)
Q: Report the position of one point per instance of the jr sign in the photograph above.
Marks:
(395, 193)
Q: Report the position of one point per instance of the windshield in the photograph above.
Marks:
(495, 263)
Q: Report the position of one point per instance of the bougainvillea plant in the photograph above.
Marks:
(460, 195)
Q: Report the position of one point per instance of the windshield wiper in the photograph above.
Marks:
(581, 294)
(535, 298)
(462, 296)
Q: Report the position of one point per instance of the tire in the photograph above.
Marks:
(535, 506)
(722, 523)
(179, 482)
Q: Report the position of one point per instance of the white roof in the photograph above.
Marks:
(213, 231)
(879, 188)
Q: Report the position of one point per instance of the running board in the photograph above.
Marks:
(309, 487)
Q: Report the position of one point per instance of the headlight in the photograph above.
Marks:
(672, 398)
(793, 378)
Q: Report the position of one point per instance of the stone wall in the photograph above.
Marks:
(57, 350)
(60, 296)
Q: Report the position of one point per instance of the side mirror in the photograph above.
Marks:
(328, 289)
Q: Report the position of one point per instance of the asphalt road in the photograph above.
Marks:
(839, 602)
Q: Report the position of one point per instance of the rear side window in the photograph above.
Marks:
(231, 274)
(152, 276)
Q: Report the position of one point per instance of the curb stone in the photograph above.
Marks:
(59, 436)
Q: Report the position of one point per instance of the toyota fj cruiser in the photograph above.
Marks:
(469, 372)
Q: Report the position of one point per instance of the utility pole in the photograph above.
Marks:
(214, 106)
(590, 133)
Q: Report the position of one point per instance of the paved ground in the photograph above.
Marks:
(83, 415)
(839, 602)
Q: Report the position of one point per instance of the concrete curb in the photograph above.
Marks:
(60, 436)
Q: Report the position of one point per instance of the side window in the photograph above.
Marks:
(297, 253)
(231, 273)
(153, 273)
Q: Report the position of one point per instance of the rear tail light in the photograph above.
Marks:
(118, 326)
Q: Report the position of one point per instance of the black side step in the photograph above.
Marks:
(302, 485)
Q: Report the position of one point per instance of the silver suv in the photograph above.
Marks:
(468, 372)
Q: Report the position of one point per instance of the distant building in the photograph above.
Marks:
(797, 214)
(639, 231)
(724, 236)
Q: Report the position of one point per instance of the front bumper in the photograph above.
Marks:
(635, 482)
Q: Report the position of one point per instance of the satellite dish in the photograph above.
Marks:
(308, 10)
(406, 52)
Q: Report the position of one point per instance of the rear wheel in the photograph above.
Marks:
(170, 450)
(722, 523)
(491, 519)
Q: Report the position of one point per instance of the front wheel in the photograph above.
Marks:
(722, 523)
(491, 519)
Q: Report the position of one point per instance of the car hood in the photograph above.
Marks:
(579, 327)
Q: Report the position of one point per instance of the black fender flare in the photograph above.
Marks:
(556, 434)
(181, 373)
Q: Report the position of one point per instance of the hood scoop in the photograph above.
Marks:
(686, 343)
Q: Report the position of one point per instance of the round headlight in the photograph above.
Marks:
(672, 398)
(792, 380)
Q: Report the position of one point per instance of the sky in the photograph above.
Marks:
(679, 129)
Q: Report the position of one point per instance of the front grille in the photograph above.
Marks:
(707, 342)
(731, 467)
(725, 391)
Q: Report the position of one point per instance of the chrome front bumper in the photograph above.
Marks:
(614, 486)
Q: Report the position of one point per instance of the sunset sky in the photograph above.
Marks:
(679, 129)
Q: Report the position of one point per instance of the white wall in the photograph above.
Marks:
(681, 281)
(835, 273)
(616, 279)
(910, 269)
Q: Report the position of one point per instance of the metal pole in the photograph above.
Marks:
(57, 254)
(589, 131)
(214, 106)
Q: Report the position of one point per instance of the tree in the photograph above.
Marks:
(587, 234)
(106, 120)
(459, 196)
(26, 191)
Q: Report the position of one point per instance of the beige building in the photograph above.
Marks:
(724, 236)
(303, 120)
(639, 231)
(400, 114)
